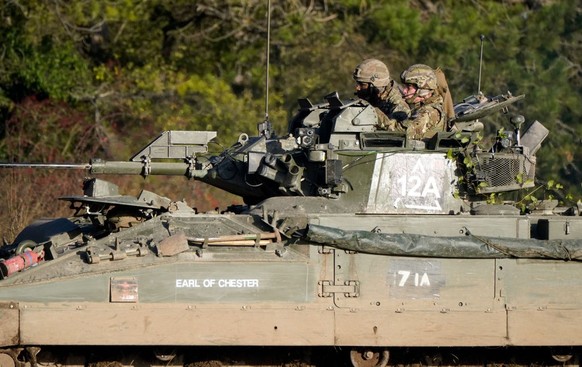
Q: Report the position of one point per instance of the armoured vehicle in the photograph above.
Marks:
(355, 247)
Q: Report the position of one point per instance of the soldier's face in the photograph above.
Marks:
(364, 91)
(362, 86)
(411, 94)
(408, 90)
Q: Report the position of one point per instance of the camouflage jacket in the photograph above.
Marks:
(426, 119)
(392, 109)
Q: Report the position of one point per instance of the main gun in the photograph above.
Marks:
(143, 168)
(184, 145)
(184, 153)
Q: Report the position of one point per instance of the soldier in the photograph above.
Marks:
(374, 85)
(420, 91)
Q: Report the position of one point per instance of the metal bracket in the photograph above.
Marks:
(191, 166)
(147, 168)
(118, 251)
(325, 250)
(350, 288)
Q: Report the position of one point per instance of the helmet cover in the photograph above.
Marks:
(423, 76)
(372, 71)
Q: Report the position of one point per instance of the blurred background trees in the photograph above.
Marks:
(82, 79)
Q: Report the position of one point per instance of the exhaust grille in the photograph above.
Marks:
(503, 172)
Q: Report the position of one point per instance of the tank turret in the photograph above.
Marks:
(333, 151)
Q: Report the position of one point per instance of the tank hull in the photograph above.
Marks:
(308, 295)
(354, 247)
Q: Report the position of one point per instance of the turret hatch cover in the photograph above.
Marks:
(475, 107)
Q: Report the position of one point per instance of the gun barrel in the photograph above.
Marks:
(145, 169)
(120, 168)
(46, 165)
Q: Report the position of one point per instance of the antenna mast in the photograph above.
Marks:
(268, 53)
(265, 128)
(482, 37)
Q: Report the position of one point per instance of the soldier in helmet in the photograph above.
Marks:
(420, 91)
(374, 85)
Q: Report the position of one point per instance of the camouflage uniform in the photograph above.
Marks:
(381, 93)
(392, 109)
(426, 119)
(428, 112)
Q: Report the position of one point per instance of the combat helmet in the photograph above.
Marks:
(423, 76)
(372, 71)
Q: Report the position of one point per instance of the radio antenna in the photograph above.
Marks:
(265, 127)
(482, 37)
(268, 53)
